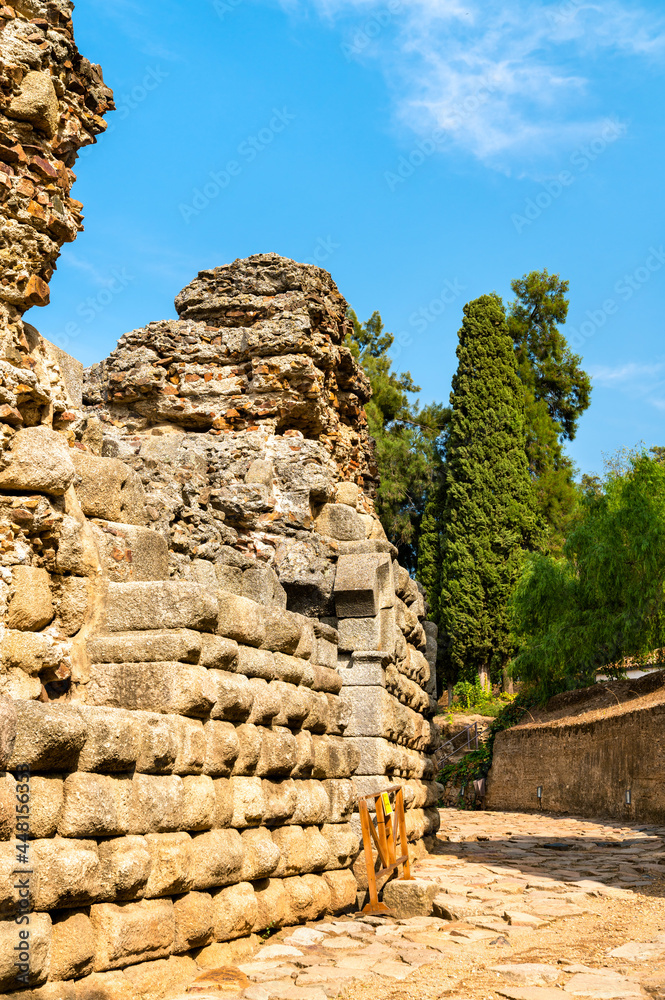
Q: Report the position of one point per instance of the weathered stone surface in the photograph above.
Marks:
(156, 803)
(109, 489)
(34, 961)
(216, 858)
(72, 946)
(8, 726)
(95, 805)
(48, 737)
(31, 604)
(177, 688)
(68, 873)
(170, 863)
(113, 741)
(340, 521)
(131, 553)
(39, 461)
(235, 911)
(142, 647)
(194, 920)
(164, 604)
(128, 932)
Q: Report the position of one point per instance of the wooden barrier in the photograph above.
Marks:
(390, 820)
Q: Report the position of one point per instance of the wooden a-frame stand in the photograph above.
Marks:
(390, 820)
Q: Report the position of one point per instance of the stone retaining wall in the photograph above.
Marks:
(585, 767)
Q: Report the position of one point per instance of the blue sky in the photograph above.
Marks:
(424, 152)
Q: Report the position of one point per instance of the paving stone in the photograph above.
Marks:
(342, 943)
(530, 993)
(609, 986)
(303, 937)
(273, 951)
(528, 973)
(635, 951)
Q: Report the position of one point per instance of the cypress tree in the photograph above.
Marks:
(488, 515)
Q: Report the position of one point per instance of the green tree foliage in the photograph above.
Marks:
(603, 600)
(556, 393)
(405, 437)
(488, 516)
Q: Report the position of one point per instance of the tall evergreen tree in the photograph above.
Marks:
(405, 436)
(488, 515)
(556, 393)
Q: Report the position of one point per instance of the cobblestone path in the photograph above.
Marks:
(543, 908)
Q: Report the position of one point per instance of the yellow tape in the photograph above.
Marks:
(387, 805)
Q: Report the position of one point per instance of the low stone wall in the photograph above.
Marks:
(585, 767)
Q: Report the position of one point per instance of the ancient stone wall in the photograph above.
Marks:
(207, 647)
(585, 766)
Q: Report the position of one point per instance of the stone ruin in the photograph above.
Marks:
(209, 649)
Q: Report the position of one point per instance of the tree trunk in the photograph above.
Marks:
(507, 682)
(484, 678)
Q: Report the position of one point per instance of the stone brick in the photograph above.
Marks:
(37, 102)
(294, 704)
(170, 863)
(156, 803)
(248, 802)
(38, 955)
(160, 605)
(235, 911)
(191, 747)
(363, 669)
(261, 854)
(126, 933)
(304, 755)
(326, 679)
(282, 630)
(317, 717)
(280, 800)
(309, 897)
(291, 669)
(68, 872)
(77, 552)
(373, 714)
(223, 802)
(278, 753)
(198, 809)
(337, 520)
(233, 696)
(357, 584)
(218, 652)
(182, 645)
(265, 703)
(8, 723)
(343, 888)
(343, 844)
(76, 596)
(312, 804)
(194, 921)
(31, 605)
(256, 662)
(249, 741)
(342, 797)
(124, 866)
(130, 553)
(333, 757)
(159, 743)
(109, 489)
(72, 945)
(95, 805)
(338, 715)
(216, 858)
(48, 737)
(222, 748)
(273, 907)
(30, 651)
(178, 688)
(301, 850)
(240, 619)
(113, 740)
(39, 462)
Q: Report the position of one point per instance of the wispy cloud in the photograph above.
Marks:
(643, 381)
(508, 81)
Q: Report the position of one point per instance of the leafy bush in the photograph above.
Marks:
(603, 600)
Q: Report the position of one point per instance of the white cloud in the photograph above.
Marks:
(507, 80)
(624, 374)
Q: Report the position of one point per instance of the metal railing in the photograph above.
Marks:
(469, 739)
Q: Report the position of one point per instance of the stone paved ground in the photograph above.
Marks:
(545, 908)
